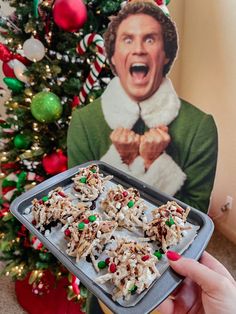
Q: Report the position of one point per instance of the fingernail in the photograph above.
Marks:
(173, 256)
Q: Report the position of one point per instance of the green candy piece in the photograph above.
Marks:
(133, 289)
(102, 264)
(92, 218)
(83, 180)
(81, 226)
(170, 222)
(158, 254)
(93, 170)
(130, 204)
(45, 198)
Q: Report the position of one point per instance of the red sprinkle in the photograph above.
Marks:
(107, 260)
(113, 268)
(34, 222)
(86, 221)
(67, 232)
(40, 202)
(145, 258)
(125, 193)
(61, 194)
(179, 210)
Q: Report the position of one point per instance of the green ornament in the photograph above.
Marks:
(83, 180)
(14, 84)
(81, 226)
(45, 257)
(102, 264)
(35, 8)
(46, 107)
(41, 265)
(167, 2)
(22, 141)
(158, 254)
(92, 218)
(130, 204)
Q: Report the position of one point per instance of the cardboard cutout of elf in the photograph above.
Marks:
(139, 124)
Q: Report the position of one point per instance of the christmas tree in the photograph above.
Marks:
(53, 60)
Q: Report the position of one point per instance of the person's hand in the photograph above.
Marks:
(208, 287)
(126, 143)
(153, 143)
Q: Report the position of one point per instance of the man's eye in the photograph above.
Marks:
(128, 40)
(149, 40)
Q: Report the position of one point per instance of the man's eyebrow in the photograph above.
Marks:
(126, 34)
(154, 33)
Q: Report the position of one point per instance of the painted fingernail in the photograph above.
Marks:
(173, 256)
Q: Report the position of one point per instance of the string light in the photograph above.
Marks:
(28, 100)
(4, 158)
(35, 127)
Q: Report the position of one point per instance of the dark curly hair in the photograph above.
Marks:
(170, 36)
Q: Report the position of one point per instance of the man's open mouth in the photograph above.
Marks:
(139, 70)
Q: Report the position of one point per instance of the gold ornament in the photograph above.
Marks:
(28, 92)
(2, 175)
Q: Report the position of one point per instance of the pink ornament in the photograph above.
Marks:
(55, 162)
(70, 15)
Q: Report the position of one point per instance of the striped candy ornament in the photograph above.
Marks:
(96, 66)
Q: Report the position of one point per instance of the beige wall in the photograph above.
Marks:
(205, 74)
(176, 9)
(208, 80)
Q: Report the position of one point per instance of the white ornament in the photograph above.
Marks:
(34, 50)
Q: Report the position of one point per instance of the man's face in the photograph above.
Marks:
(139, 55)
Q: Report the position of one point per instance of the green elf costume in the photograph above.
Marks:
(185, 170)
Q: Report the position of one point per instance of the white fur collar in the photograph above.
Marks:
(121, 111)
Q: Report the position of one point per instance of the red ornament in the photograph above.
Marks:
(36, 244)
(55, 163)
(5, 53)
(75, 102)
(53, 302)
(70, 15)
(7, 70)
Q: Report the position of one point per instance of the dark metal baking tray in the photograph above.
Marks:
(169, 280)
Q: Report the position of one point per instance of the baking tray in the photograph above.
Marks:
(165, 284)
